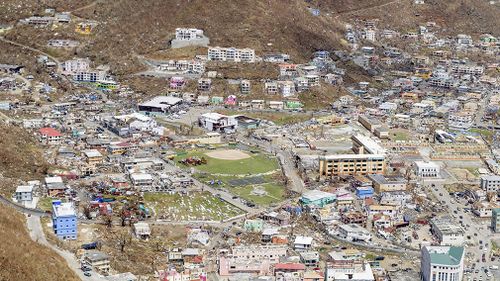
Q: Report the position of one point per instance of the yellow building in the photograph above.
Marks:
(351, 164)
(93, 156)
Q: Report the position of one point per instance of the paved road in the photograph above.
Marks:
(22, 209)
(476, 228)
(36, 233)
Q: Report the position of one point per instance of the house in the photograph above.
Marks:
(55, 186)
(204, 84)
(302, 243)
(142, 230)
(289, 271)
(317, 198)
(309, 258)
(98, 261)
(185, 37)
(24, 194)
(64, 220)
(49, 136)
(245, 86)
(216, 122)
(442, 263)
(93, 157)
(354, 232)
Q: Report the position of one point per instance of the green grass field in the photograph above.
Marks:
(45, 203)
(194, 206)
(257, 163)
(274, 193)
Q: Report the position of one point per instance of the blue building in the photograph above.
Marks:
(64, 220)
(363, 192)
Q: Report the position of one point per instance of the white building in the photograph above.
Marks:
(442, 263)
(71, 67)
(358, 272)
(490, 183)
(231, 54)
(216, 122)
(185, 37)
(427, 169)
(24, 193)
(142, 181)
(447, 232)
(354, 232)
(460, 120)
(302, 243)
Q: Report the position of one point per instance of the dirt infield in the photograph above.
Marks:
(228, 154)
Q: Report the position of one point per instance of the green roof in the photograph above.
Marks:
(496, 212)
(452, 257)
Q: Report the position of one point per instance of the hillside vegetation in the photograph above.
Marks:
(23, 259)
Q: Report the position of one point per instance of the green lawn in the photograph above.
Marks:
(257, 163)
(45, 203)
(399, 136)
(194, 206)
(274, 193)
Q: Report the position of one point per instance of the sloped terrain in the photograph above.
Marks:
(23, 259)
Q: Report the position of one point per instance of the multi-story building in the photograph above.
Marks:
(185, 37)
(231, 54)
(385, 184)
(24, 193)
(447, 232)
(216, 122)
(49, 136)
(64, 220)
(490, 183)
(245, 86)
(188, 33)
(71, 67)
(495, 220)
(442, 263)
(354, 232)
(251, 259)
(99, 261)
(427, 169)
(467, 69)
(460, 120)
(351, 164)
(90, 76)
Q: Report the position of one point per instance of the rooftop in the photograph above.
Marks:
(443, 255)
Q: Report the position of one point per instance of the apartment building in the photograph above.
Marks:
(495, 220)
(64, 220)
(351, 164)
(467, 69)
(231, 54)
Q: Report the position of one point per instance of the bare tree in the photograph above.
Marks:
(107, 220)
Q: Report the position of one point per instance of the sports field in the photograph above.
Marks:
(231, 162)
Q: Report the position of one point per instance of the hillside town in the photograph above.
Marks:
(220, 176)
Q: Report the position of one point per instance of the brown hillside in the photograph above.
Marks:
(23, 259)
(20, 157)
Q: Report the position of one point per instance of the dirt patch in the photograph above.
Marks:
(228, 154)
